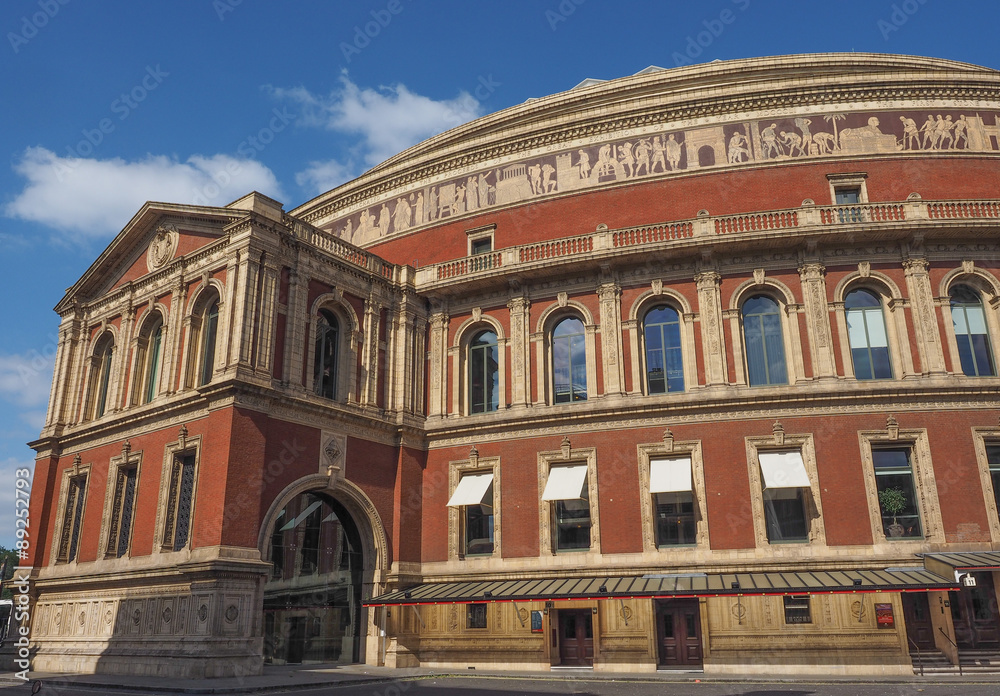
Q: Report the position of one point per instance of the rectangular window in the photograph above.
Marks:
(993, 459)
(572, 525)
(69, 537)
(481, 245)
(797, 609)
(122, 510)
(785, 482)
(673, 501)
(848, 196)
(474, 497)
(896, 493)
(851, 197)
(479, 527)
(675, 523)
(179, 501)
(475, 616)
(567, 488)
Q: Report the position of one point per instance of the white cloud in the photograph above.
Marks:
(25, 379)
(388, 119)
(9, 496)
(323, 176)
(98, 197)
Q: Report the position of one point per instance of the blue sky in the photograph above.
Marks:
(108, 104)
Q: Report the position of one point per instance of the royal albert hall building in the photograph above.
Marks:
(691, 369)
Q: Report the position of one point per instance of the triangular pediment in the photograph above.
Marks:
(157, 235)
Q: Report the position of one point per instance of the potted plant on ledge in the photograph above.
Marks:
(892, 501)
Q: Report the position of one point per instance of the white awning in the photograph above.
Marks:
(471, 490)
(783, 470)
(565, 483)
(670, 475)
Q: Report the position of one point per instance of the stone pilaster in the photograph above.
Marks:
(520, 374)
(918, 284)
(813, 279)
(267, 316)
(369, 354)
(712, 343)
(609, 295)
(438, 350)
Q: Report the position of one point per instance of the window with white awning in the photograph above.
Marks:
(671, 483)
(567, 489)
(784, 478)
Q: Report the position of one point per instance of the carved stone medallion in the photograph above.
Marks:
(162, 248)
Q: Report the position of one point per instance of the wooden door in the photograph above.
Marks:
(917, 615)
(576, 637)
(974, 614)
(678, 625)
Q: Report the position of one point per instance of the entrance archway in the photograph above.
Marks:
(312, 598)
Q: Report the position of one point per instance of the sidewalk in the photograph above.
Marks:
(294, 677)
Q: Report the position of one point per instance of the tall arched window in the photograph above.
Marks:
(765, 347)
(484, 374)
(104, 354)
(664, 367)
(325, 365)
(154, 343)
(569, 361)
(209, 329)
(867, 336)
(971, 333)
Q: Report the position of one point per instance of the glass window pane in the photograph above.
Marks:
(983, 357)
(976, 320)
(675, 519)
(784, 515)
(856, 333)
(569, 361)
(572, 524)
(756, 361)
(876, 328)
(881, 367)
(775, 350)
(210, 328)
(897, 496)
(664, 364)
(763, 341)
(958, 319)
(861, 298)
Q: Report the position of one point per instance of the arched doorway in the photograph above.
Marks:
(312, 599)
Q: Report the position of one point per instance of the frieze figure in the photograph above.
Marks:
(584, 164)
(673, 152)
(911, 135)
(383, 220)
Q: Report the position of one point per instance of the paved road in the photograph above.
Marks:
(520, 687)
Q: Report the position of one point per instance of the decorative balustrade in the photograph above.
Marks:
(757, 222)
(556, 248)
(847, 214)
(473, 264)
(604, 241)
(652, 233)
(947, 210)
(350, 253)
